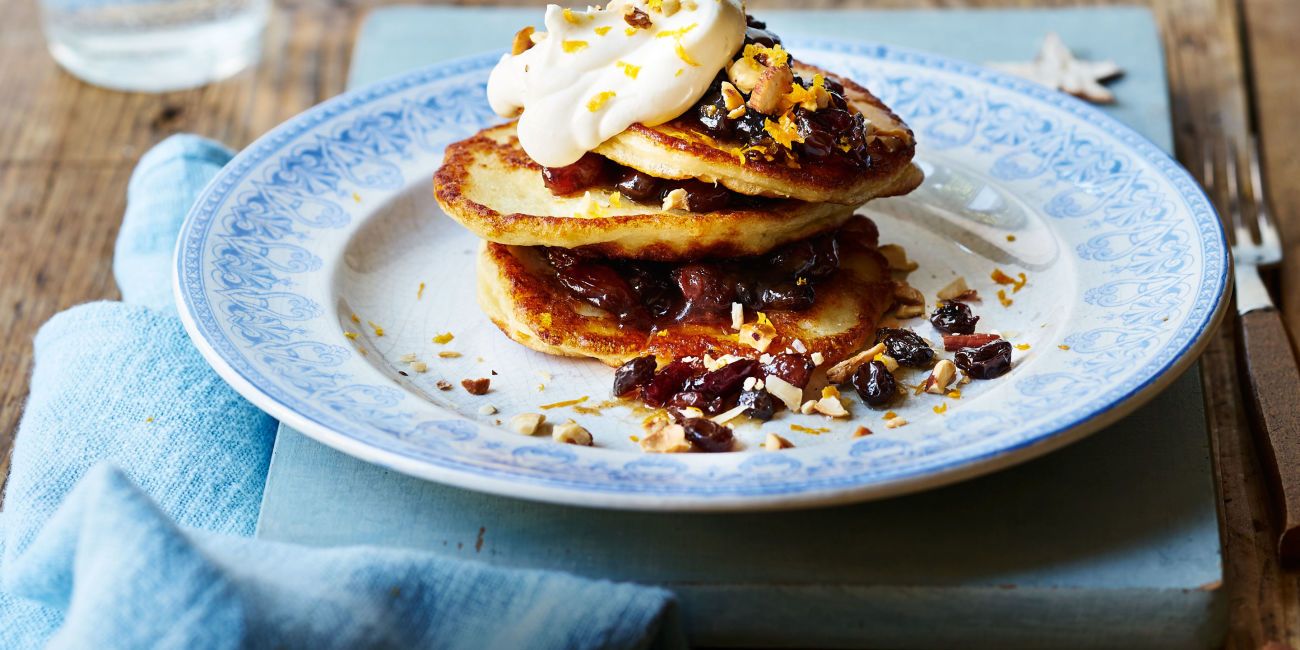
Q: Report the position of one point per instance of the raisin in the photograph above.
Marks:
(601, 286)
(638, 185)
(633, 375)
(985, 362)
(788, 296)
(759, 404)
(906, 347)
(728, 379)
(707, 435)
(710, 405)
(874, 383)
(795, 369)
(571, 179)
(704, 289)
(705, 197)
(954, 318)
(669, 381)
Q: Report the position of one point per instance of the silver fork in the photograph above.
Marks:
(1265, 349)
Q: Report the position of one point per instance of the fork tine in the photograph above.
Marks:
(1268, 234)
(1241, 233)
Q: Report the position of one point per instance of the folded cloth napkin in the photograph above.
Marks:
(136, 479)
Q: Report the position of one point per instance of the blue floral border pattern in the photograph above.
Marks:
(249, 241)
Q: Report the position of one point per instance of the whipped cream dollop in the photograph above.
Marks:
(594, 73)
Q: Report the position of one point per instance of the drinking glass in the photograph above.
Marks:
(154, 45)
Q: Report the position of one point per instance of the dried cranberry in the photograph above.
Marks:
(874, 383)
(906, 347)
(704, 289)
(571, 179)
(759, 404)
(638, 185)
(651, 282)
(985, 362)
(668, 382)
(707, 435)
(601, 286)
(633, 375)
(795, 369)
(954, 318)
(954, 342)
(710, 405)
(728, 379)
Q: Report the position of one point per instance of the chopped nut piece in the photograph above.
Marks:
(775, 442)
(897, 257)
(799, 346)
(670, 439)
(487, 409)
(730, 414)
(953, 289)
(636, 18)
(744, 74)
(523, 41)
(736, 113)
(940, 377)
(757, 335)
(788, 393)
(443, 384)
(840, 372)
(419, 366)
(908, 294)
(749, 383)
(737, 315)
(774, 82)
(891, 364)
(676, 200)
(909, 311)
(475, 386)
(894, 423)
(572, 433)
(832, 406)
(817, 358)
(731, 98)
(527, 423)
(407, 358)
(862, 431)
(808, 407)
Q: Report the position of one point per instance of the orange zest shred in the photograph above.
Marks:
(599, 100)
(1002, 298)
(420, 292)
(1022, 346)
(802, 429)
(568, 16)
(445, 337)
(955, 393)
(943, 406)
(355, 319)
(681, 54)
(784, 130)
(570, 47)
(628, 69)
(889, 415)
(564, 403)
(601, 31)
(1063, 347)
(379, 331)
(1017, 282)
(676, 33)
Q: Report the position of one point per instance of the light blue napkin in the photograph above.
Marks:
(151, 549)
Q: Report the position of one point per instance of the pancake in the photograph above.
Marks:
(489, 185)
(679, 149)
(518, 291)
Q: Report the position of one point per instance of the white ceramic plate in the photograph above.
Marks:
(331, 214)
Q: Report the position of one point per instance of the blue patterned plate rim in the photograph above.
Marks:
(649, 492)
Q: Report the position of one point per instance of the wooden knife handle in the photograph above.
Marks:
(1274, 385)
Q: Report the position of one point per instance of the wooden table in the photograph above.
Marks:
(67, 150)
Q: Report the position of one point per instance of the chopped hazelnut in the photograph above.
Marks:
(897, 257)
(443, 384)
(737, 315)
(908, 294)
(636, 18)
(808, 407)
(744, 74)
(669, 7)
(773, 84)
(757, 335)
(862, 431)
(817, 358)
(670, 439)
(523, 41)
(731, 98)
(953, 289)
(676, 200)
(487, 409)
(894, 423)
(788, 393)
(407, 358)
(527, 423)
(775, 442)
(419, 366)
(909, 311)
(840, 372)
(475, 386)
(572, 433)
(736, 113)
(940, 377)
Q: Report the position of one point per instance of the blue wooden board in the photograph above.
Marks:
(1110, 542)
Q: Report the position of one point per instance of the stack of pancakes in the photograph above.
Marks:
(491, 186)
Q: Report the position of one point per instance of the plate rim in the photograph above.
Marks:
(987, 462)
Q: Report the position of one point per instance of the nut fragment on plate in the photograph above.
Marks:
(894, 423)
(670, 439)
(572, 433)
(830, 403)
(443, 384)
(676, 200)
(775, 442)
(953, 289)
(840, 372)
(940, 377)
(897, 257)
(788, 393)
(862, 431)
(527, 423)
(475, 386)
(523, 41)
